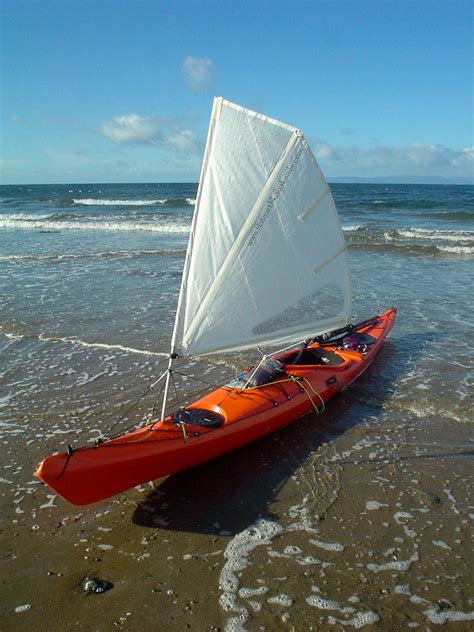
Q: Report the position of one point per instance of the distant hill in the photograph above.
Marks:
(401, 180)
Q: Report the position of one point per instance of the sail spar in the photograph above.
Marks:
(266, 261)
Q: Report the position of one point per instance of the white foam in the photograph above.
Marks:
(352, 227)
(440, 617)
(13, 336)
(436, 235)
(281, 600)
(374, 505)
(245, 593)
(235, 624)
(309, 560)
(434, 612)
(50, 504)
(402, 589)
(452, 500)
(364, 443)
(97, 202)
(457, 250)
(360, 620)
(85, 378)
(322, 604)
(396, 565)
(327, 546)
(236, 553)
(327, 604)
(103, 225)
(417, 599)
(25, 217)
(400, 516)
(442, 544)
(102, 345)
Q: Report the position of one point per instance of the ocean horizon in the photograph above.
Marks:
(396, 180)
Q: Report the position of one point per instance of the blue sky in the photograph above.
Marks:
(121, 90)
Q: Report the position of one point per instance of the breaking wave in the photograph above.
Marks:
(351, 228)
(412, 240)
(33, 222)
(107, 202)
(432, 235)
(94, 202)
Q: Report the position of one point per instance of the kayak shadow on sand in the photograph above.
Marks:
(225, 495)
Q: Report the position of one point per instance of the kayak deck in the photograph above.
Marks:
(223, 420)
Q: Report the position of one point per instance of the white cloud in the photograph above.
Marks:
(198, 72)
(416, 159)
(133, 129)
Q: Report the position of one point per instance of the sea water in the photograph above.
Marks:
(359, 517)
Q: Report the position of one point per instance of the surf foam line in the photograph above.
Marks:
(106, 202)
(431, 235)
(262, 533)
(176, 228)
(101, 345)
(353, 227)
(389, 244)
(97, 202)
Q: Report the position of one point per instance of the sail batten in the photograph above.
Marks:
(315, 205)
(249, 277)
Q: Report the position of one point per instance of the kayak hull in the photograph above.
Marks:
(93, 473)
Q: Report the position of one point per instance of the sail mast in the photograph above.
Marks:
(216, 108)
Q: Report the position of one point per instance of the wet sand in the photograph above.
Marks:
(358, 517)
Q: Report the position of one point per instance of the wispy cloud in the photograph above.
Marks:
(198, 72)
(381, 160)
(134, 129)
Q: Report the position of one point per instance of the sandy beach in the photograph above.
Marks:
(344, 519)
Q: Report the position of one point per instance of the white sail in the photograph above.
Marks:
(266, 261)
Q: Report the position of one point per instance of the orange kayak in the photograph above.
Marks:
(224, 420)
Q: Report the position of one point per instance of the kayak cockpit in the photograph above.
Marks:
(310, 356)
